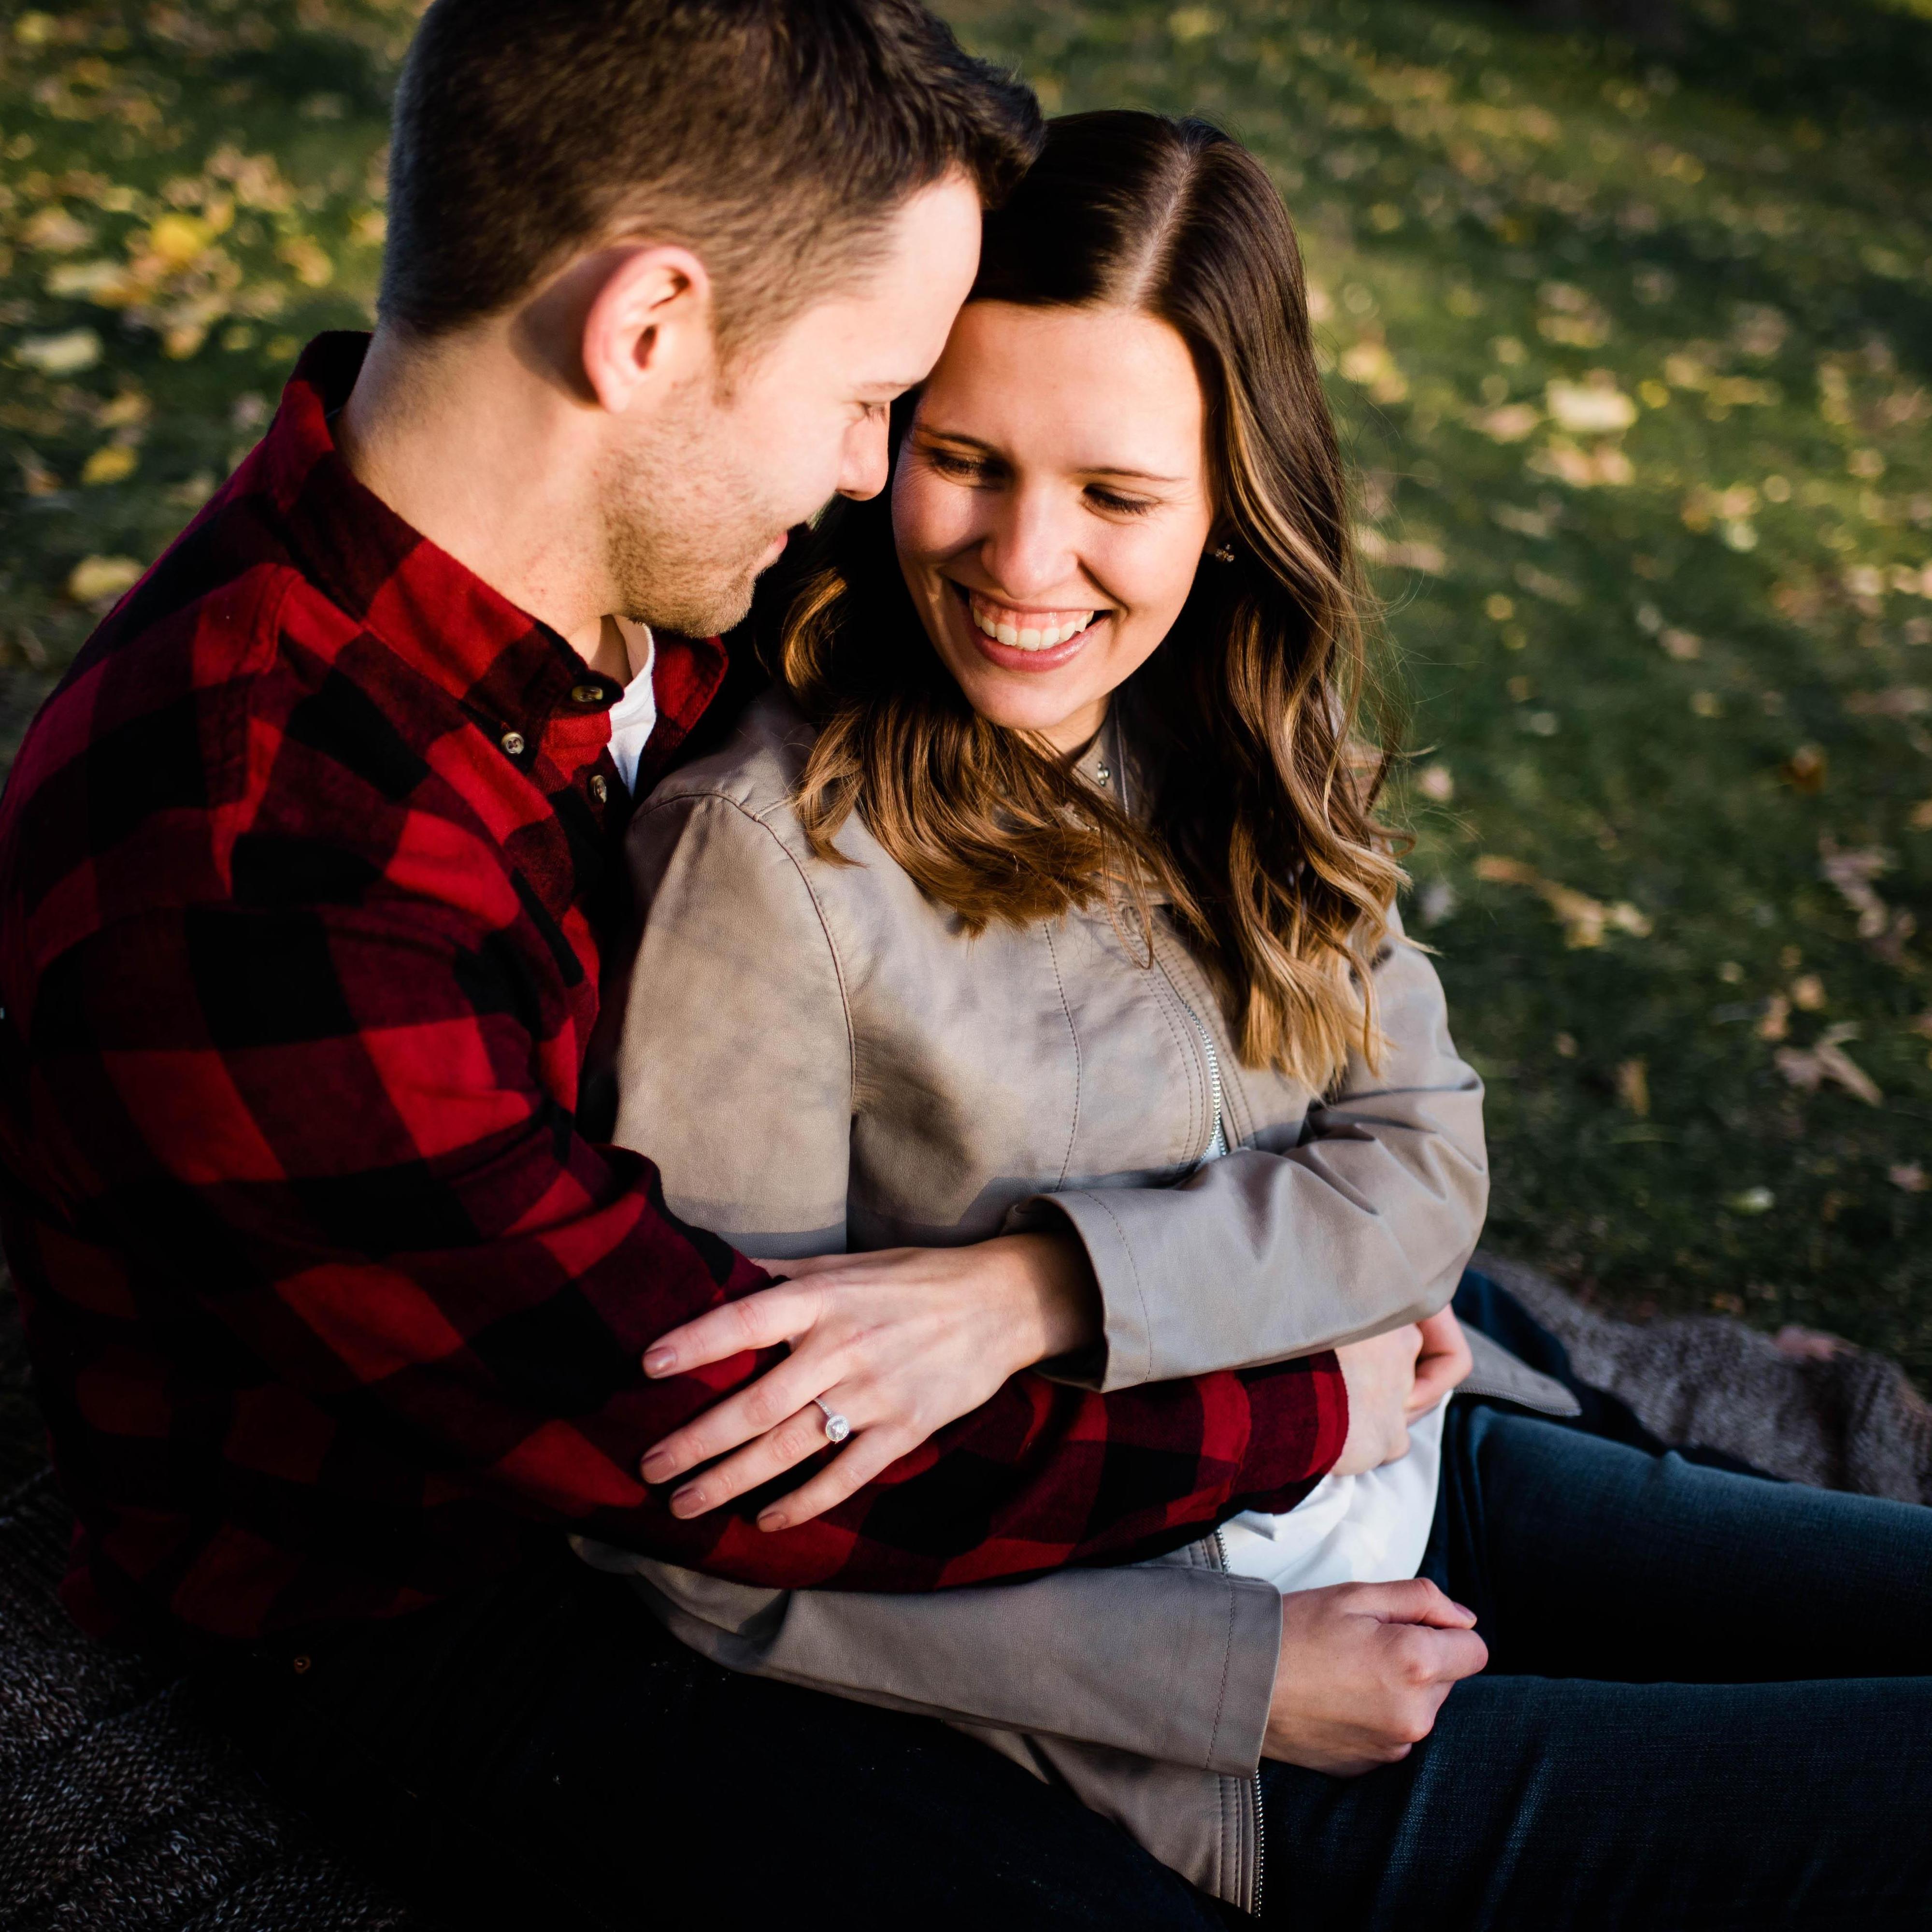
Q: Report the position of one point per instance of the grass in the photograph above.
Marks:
(1631, 347)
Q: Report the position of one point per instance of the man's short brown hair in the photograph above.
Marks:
(774, 138)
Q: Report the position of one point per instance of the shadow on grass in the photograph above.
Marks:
(1854, 60)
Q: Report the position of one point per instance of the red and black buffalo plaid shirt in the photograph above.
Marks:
(333, 1308)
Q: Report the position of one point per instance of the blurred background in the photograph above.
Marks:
(1627, 311)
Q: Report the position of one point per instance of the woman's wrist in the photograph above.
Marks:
(1056, 1300)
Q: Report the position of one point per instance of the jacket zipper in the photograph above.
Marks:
(1217, 1138)
(1254, 1782)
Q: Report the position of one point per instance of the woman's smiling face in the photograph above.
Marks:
(1051, 505)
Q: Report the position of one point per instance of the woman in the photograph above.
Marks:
(1045, 894)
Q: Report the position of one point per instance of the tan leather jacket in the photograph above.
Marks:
(911, 1085)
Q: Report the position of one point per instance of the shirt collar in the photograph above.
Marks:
(432, 611)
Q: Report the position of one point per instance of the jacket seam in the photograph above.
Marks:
(1197, 1098)
(1133, 1268)
(817, 909)
(1221, 1694)
(1072, 1033)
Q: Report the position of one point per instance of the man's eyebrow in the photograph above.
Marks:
(1084, 468)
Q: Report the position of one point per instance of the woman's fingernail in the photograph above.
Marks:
(772, 1520)
(1464, 1610)
(688, 1501)
(659, 1466)
(660, 1361)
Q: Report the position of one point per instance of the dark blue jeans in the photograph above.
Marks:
(1700, 1713)
(1709, 1703)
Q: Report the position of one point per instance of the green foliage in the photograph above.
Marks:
(1631, 349)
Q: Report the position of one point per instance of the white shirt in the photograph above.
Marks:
(634, 715)
(1370, 1529)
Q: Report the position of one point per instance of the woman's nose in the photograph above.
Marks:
(1029, 551)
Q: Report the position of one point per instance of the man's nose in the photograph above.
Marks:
(864, 471)
(1029, 551)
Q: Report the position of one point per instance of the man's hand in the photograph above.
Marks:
(1393, 1378)
(1364, 1668)
(1444, 1361)
(1380, 1376)
(900, 1342)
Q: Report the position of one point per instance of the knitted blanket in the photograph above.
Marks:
(121, 1808)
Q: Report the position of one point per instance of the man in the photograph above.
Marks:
(308, 873)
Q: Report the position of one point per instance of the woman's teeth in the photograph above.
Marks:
(1041, 631)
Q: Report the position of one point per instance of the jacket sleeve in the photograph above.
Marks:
(1361, 1220)
(1169, 1661)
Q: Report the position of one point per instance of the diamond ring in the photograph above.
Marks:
(836, 1427)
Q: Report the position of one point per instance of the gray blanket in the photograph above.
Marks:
(1806, 1407)
(120, 1809)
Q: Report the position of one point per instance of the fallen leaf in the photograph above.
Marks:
(1583, 468)
(1634, 1086)
(1804, 771)
(1851, 872)
(1775, 1021)
(1807, 993)
(1590, 409)
(179, 239)
(1585, 920)
(1903, 700)
(1514, 422)
(1525, 523)
(36, 479)
(1193, 23)
(55, 230)
(1428, 558)
(113, 464)
(64, 355)
(94, 580)
(1808, 1068)
(1541, 584)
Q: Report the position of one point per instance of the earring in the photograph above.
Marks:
(1222, 553)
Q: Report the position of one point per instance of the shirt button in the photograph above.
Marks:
(587, 694)
(599, 790)
(512, 742)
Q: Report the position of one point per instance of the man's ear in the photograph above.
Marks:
(648, 326)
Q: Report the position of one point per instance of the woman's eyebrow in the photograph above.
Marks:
(1084, 468)
(1139, 476)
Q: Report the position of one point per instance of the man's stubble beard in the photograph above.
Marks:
(685, 529)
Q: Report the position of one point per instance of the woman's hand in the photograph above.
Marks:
(1364, 1668)
(900, 1343)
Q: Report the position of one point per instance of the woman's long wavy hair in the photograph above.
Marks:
(1261, 836)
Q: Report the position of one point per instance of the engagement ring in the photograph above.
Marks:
(836, 1427)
